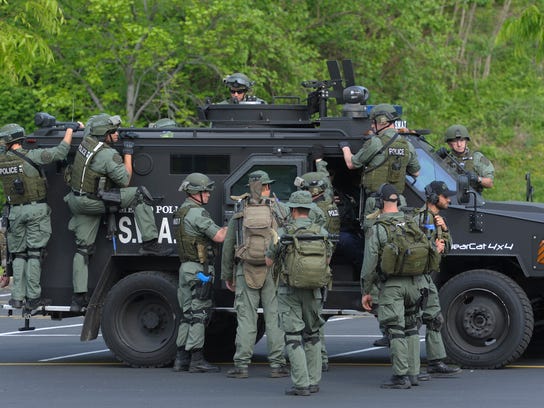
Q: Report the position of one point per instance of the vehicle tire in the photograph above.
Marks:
(140, 319)
(488, 319)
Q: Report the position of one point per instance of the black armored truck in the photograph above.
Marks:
(491, 283)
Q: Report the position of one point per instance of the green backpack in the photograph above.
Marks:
(305, 259)
(408, 251)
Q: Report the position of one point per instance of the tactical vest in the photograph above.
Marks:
(305, 263)
(257, 223)
(467, 163)
(392, 169)
(332, 215)
(407, 252)
(190, 248)
(79, 175)
(19, 187)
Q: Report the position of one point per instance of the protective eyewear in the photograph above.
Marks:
(238, 91)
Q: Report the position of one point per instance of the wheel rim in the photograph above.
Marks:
(478, 321)
(145, 322)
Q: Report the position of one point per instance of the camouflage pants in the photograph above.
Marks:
(86, 216)
(398, 313)
(246, 304)
(29, 231)
(195, 312)
(300, 319)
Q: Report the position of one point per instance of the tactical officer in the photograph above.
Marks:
(435, 228)
(385, 157)
(399, 295)
(478, 168)
(98, 179)
(244, 271)
(195, 234)
(317, 183)
(300, 308)
(25, 189)
(240, 87)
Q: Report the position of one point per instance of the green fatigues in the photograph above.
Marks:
(197, 223)
(30, 227)
(431, 315)
(87, 211)
(475, 162)
(399, 297)
(246, 303)
(300, 319)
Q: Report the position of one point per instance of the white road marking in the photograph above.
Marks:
(40, 329)
(73, 355)
(349, 353)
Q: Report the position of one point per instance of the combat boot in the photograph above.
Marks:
(279, 372)
(415, 379)
(300, 391)
(32, 304)
(397, 382)
(79, 302)
(152, 247)
(200, 365)
(383, 342)
(17, 304)
(238, 372)
(183, 359)
(437, 368)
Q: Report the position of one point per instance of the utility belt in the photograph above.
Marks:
(83, 194)
(42, 201)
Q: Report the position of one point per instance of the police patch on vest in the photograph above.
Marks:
(10, 170)
(395, 151)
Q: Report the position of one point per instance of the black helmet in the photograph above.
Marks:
(237, 81)
(456, 132)
(12, 133)
(196, 183)
(384, 113)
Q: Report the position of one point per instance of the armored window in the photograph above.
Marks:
(282, 174)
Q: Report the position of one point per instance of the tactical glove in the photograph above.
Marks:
(317, 152)
(442, 152)
(73, 125)
(128, 147)
(343, 144)
(472, 177)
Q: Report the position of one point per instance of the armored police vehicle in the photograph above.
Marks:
(492, 282)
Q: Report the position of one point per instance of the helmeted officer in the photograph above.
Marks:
(195, 233)
(385, 157)
(98, 179)
(478, 168)
(25, 190)
(248, 276)
(240, 87)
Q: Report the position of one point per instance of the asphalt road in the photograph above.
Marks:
(49, 366)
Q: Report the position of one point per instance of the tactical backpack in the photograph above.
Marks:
(408, 252)
(305, 259)
(257, 224)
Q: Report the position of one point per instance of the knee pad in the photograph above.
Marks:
(293, 339)
(85, 252)
(435, 323)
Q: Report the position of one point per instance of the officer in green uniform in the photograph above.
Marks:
(385, 157)
(318, 184)
(98, 179)
(195, 234)
(252, 281)
(25, 190)
(478, 168)
(435, 228)
(300, 308)
(240, 87)
(399, 296)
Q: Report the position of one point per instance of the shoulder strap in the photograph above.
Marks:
(385, 146)
(38, 168)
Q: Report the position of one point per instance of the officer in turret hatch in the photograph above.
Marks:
(240, 87)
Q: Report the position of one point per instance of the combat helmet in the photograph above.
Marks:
(384, 113)
(312, 182)
(12, 133)
(163, 123)
(456, 132)
(103, 124)
(237, 81)
(196, 183)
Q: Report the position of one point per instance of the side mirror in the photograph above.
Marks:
(463, 196)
